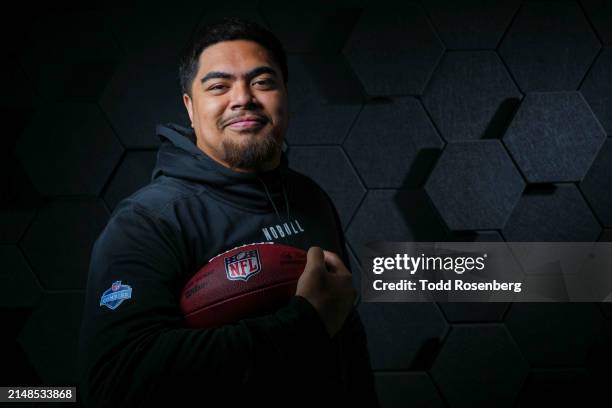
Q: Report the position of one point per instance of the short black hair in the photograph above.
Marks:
(227, 29)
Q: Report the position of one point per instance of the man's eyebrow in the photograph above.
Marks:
(251, 74)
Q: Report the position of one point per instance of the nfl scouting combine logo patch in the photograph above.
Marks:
(114, 296)
(243, 265)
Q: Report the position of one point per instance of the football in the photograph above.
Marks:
(245, 281)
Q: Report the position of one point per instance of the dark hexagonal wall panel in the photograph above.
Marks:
(554, 333)
(324, 99)
(391, 144)
(475, 185)
(57, 321)
(64, 65)
(557, 214)
(19, 285)
(69, 148)
(554, 137)
(471, 23)
(330, 168)
(394, 215)
(16, 367)
(404, 335)
(555, 387)
(597, 89)
(18, 201)
(597, 184)
(479, 366)
(318, 28)
(399, 389)
(393, 53)
(549, 46)
(133, 173)
(471, 96)
(599, 13)
(143, 92)
(59, 241)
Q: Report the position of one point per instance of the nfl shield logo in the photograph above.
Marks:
(243, 265)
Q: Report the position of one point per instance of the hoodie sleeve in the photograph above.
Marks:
(139, 354)
(358, 372)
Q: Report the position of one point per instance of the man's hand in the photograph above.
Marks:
(327, 284)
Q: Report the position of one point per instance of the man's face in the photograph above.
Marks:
(239, 105)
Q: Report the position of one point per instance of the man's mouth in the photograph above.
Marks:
(248, 122)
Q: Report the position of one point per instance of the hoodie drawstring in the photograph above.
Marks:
(272, 201)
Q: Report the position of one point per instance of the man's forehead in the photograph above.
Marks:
(234, 56)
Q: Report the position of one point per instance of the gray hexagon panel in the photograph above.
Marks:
(470, 24)
(69, 148)
(56, 320)
(393, 145)
(401, 389)
(66, 65)
(549, 46)
(553, 214)
(393, 53)
(597, 89)
(554, 333)
(474, 185)
(324, 99)
(19, 285)
(599, 13)
(471, 96)
(59, 241)
(597, 185)
(318, 28)
(143, 91)
(554, 137)
(403, 335)
(133, 173)
(394, 215)
(329, 167)
(479, 366)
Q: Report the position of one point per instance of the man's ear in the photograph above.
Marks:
(188, 106)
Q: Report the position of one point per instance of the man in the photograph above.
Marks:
(222, 184)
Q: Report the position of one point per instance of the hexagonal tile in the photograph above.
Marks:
(18, 201)
(557, 214)
(399, 389)
(19, 284)
(554, 333)
(596, 184)
(57, 321)
(17, 369)
(324, 99)
(319, 28)
(549, 46)
(70, 56)
(598, 364)
(474, 185)
(133, 172)
(69, 148)
(599, 13)
(148, 76)
(59, 241)
(555, 387)
(471, 23)
(392, 145)
(474, 358)
(597, 89)
(471, 96)
(394, 215)
(401, 44)
(330, 168)
(554, 137)
(402, 335)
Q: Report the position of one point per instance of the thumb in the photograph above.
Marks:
(315, 258)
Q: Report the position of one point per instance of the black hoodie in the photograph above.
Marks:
(135, 351)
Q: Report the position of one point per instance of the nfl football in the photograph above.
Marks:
(245, 281)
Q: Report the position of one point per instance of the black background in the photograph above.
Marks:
(439, 120)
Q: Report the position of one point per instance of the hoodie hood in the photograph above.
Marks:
(179, 157)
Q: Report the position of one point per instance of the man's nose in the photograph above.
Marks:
(242, 95)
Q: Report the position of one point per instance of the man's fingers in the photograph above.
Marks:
(334, 262)
(315, 256)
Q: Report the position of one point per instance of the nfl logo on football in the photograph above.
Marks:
(243, 265)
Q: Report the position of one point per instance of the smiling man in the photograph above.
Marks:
(221, 183)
